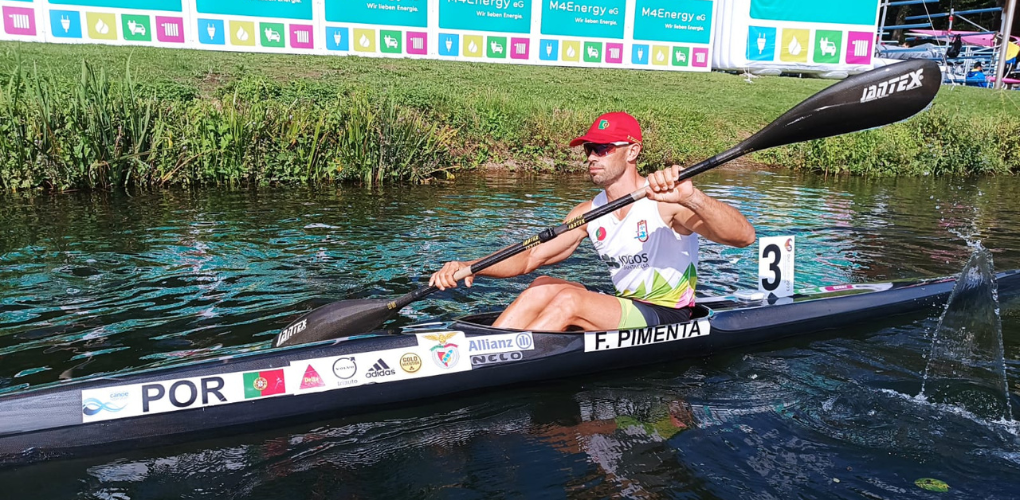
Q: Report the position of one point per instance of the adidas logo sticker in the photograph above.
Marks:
(380, 369)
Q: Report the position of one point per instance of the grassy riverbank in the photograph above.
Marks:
(193, 117)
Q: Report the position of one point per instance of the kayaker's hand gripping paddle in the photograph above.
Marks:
(878, 97)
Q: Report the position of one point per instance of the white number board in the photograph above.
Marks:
(775, 265)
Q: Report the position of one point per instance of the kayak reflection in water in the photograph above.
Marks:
(624, 439)
(650, 246)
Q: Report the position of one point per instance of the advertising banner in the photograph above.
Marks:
(672, 35)
(831, 39)
(682, 30)
(377, 27)
(280, 9)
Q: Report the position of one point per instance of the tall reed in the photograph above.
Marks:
(103, 133)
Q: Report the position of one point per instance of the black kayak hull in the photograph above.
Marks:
(169, 405)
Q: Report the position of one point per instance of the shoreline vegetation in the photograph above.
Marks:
(105, 118)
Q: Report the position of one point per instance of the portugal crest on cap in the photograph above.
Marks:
(603, 124)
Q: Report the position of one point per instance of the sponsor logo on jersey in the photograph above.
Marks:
(642, 231)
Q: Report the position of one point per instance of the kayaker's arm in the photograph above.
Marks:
(698, 212)
(550, 252)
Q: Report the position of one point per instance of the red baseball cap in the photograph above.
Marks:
(611, 127)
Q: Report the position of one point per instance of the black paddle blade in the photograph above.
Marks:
(878, 97)
(339, 319)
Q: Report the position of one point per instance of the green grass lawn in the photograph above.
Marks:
(523, 115)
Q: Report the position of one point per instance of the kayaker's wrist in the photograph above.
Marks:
(695, 201)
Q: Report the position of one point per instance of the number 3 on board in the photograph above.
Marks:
(775, 265)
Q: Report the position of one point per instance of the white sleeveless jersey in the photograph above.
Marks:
(648, 260)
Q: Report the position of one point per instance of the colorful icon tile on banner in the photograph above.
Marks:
(271, 35)
(571, 51)
(65, 23)
(520, 48)
(170, 29)
(391, 42)
(495, 47)
(19, 21)
(417, 43)
(858, 47)
(794, 45)
(660, 55)
(136, 28)
(548, 50)
(338, 39)
(614, 53)
(639, 54)
(211, 32)
(101, 25)
(699, 57)
(242, 33)
(761, 43)
(828, 44)
(363, 40)
(473, 46)
(301, 36)
(592, 52)
(449, 44)
(681, 56)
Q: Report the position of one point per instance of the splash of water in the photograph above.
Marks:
(966, 366)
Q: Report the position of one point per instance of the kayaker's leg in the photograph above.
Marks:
(578, 307)
(554, 304)
(531, 302)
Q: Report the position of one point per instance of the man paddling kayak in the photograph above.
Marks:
(650, 246)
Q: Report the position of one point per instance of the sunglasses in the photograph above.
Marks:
(602, 149)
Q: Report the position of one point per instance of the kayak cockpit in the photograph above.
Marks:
(485, 320)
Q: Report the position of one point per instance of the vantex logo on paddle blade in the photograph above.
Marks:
(901, 83)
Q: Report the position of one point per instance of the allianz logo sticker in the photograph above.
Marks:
(507, 342)
(620, 339)
(901, 83)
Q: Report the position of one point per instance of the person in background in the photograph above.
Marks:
(976, 76)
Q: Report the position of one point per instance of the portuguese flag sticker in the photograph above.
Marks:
(265, 383)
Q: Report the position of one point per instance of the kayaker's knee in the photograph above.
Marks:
(543, 281)
(567, 301)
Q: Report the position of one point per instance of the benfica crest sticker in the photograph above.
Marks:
(444, 354)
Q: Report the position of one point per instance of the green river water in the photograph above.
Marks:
(106, 283)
